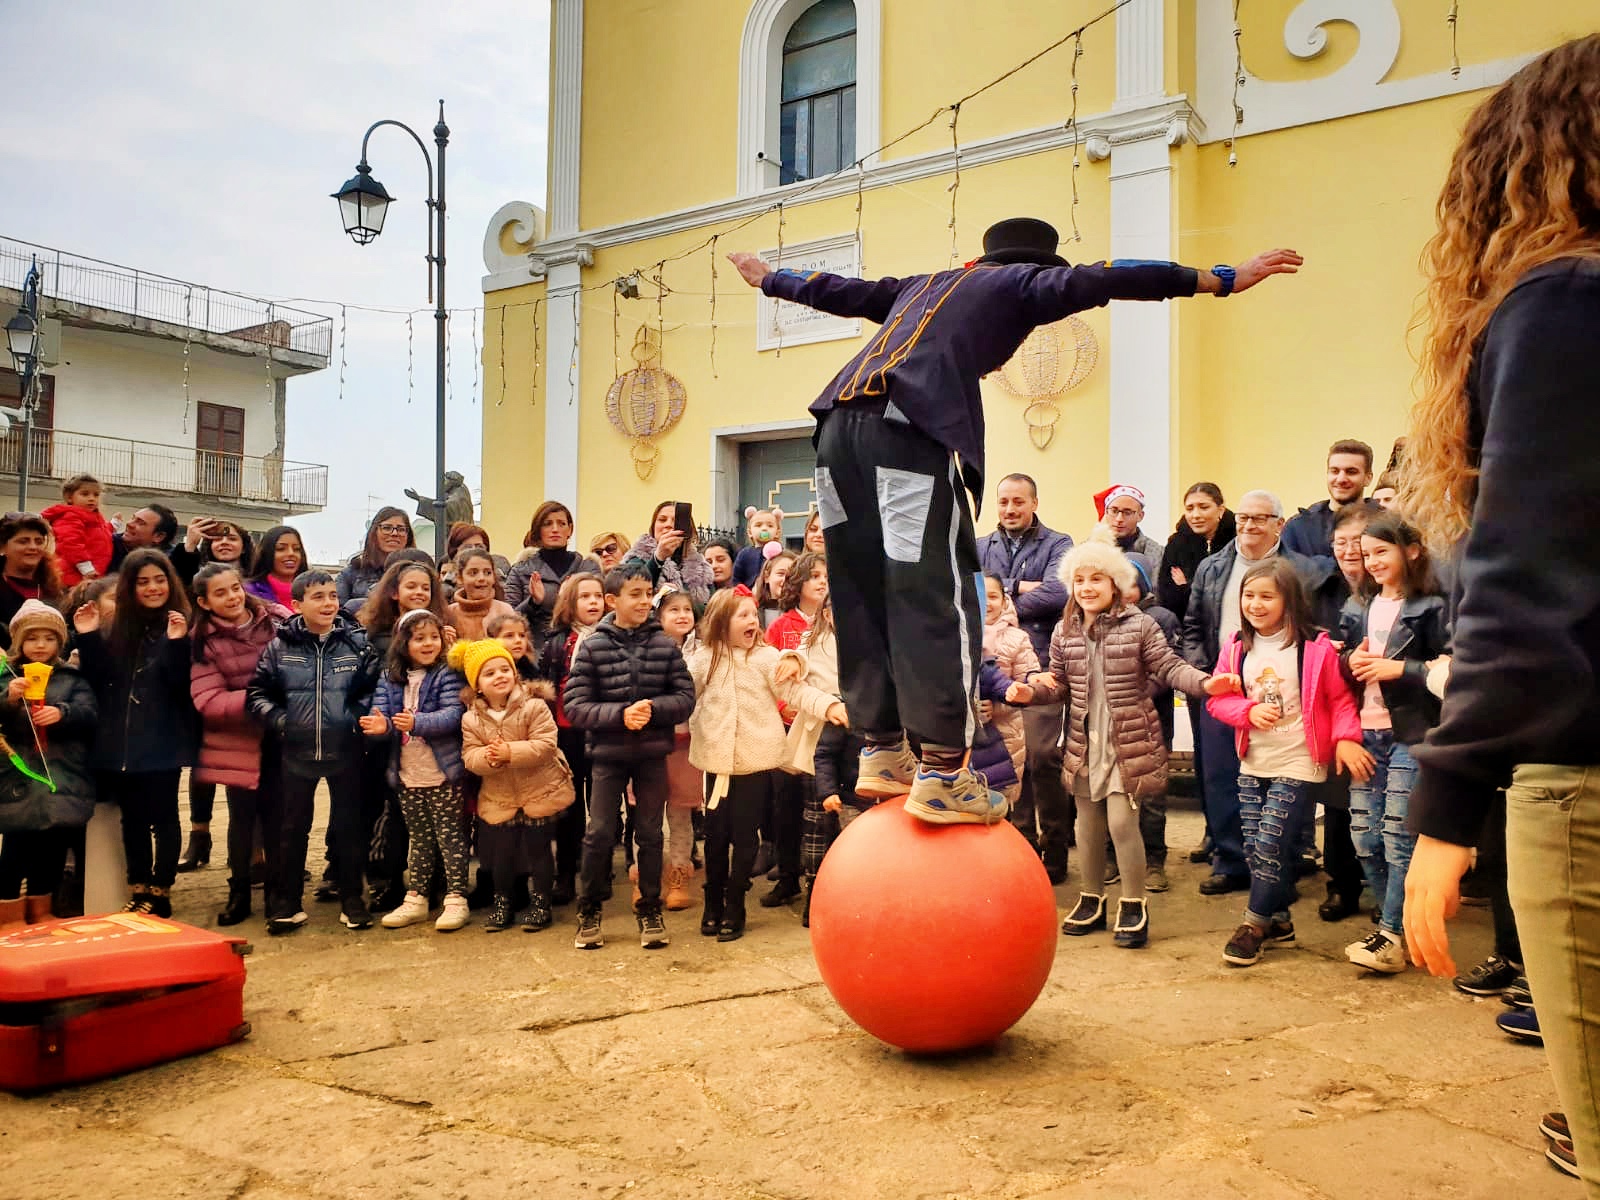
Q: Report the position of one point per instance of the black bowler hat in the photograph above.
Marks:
(1022, 240)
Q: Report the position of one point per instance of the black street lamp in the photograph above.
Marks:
(22, 337)
(363, 203)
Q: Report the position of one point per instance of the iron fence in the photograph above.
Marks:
(79, 280)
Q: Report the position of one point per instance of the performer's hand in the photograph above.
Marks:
(1265, 716)
(1352, 759)
(1433, 896)
(1274, 262)
(750, 266)
(46, 716)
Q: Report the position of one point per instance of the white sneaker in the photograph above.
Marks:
(413, 909)
(961, 797)
(1378, 951)
(454, 915)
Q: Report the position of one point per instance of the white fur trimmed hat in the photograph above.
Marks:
(1098, 553)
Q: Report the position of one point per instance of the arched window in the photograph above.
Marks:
(817, 114)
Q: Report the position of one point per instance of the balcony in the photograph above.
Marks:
(84, 291)
(124, 465)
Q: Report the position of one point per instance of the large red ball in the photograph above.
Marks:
(932, 937)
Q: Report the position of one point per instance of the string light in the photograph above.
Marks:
(661, 324)
(714, 290)
(616, 320)
(1072, 124)
(777, 325)
(344, 340)
(955, 183)
(572, 359)
(1238, 82)
(1455, 52)
(533, 387)
(188, 338)
(476, 355)
(500, 402)
(411, 377)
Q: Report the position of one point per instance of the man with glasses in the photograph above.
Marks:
(1121, 507)
(1212, 619)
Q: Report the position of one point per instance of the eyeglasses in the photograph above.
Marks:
(1253, 518)
(1346, 544)
(1124, 512)
(397, 530)
(608, 549)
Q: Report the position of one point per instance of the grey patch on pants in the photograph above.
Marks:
(891, 412)
(829, 508)
(904, 498)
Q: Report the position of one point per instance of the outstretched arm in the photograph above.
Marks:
(1058, 292)
(833, 294)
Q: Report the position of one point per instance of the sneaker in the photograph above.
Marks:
(160, 904)
(500, 915)
(652, 929)
(1132, 929)
(1088, 916)
(961, 797)
(1554, 1125)
(538, 917)
(454, 915)
(1559, 1151)
(1489, 978)
(589, 936)
(1155, 879)
(278, 926)
(139, 902)
(782, 892)
(886, 771)
(353, 914)
(1522, 1024)
(1244, 947)
(1280, 933)
(1517, 994)
(1378, 951)
(412, 909)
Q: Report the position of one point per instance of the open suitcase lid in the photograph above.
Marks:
(121, 952)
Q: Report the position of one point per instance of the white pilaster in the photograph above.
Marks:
(562, 376)
(1141, 451)
(566, 117)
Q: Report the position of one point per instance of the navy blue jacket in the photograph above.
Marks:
(147, 717)
(1525, 657)
(1310, 532)
(1038, 553)
(613, 668)
(312, 691)
(944, 332)
(438, 720)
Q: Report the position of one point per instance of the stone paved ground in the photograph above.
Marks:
(416, 1064)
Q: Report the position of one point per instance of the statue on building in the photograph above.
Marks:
(457, 501)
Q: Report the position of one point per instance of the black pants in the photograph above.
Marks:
(1338, 851)
(569, 825)
(149, 804)
(1045, 812)
(387, 845)
(788, 808)
(902, 568)
(35, 857)
(521, 846)
(202, 801)
(1492, 872)
(347, 843)
(610, 782)
(732, 834)
(247, 807)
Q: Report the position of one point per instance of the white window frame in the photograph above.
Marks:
(761, 84)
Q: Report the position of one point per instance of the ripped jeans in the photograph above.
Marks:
(1378, 824)
(1272, 813)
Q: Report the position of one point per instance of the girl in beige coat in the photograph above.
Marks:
(509, 738)
(736, 737)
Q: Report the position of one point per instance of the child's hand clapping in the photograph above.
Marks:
(374, 722)
(1369, 667)
(637, 715)
(405, 720)
(1265, 716)
(837, 714)
(177, 625)
(86, 618)
(499, 753)
(1019, 693)
(1224, 685)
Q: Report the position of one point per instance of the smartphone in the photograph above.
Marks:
(683, 522)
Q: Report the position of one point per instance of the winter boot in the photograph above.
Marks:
(197, 853)
(238, 906)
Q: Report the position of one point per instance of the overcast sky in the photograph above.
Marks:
(201, 139)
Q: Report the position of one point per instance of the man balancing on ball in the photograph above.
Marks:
(899, 445)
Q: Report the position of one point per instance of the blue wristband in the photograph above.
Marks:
(1225, 274)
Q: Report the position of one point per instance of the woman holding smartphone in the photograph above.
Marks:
(672, 548)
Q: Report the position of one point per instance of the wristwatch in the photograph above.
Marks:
(1225, 274)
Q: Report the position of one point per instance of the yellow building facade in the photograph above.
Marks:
(1325, 127)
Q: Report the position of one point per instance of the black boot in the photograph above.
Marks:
(197, 853)
(805, 911)
(711, 919)
(500, 915)
(538, 915)
(766, 859)
(238, 906)
(732, 927)
(785, 890)
(1055, 863)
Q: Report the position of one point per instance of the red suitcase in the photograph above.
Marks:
(97, 996)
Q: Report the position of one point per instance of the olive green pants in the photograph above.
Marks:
(1553, 869)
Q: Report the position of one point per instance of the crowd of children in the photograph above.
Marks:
(643, 701)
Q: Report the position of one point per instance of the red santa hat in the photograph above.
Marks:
(1101, 499)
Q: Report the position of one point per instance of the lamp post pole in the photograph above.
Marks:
(363, 202)
(22, 334)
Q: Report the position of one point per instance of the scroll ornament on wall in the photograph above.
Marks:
(1052, 360)
(645, 403)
